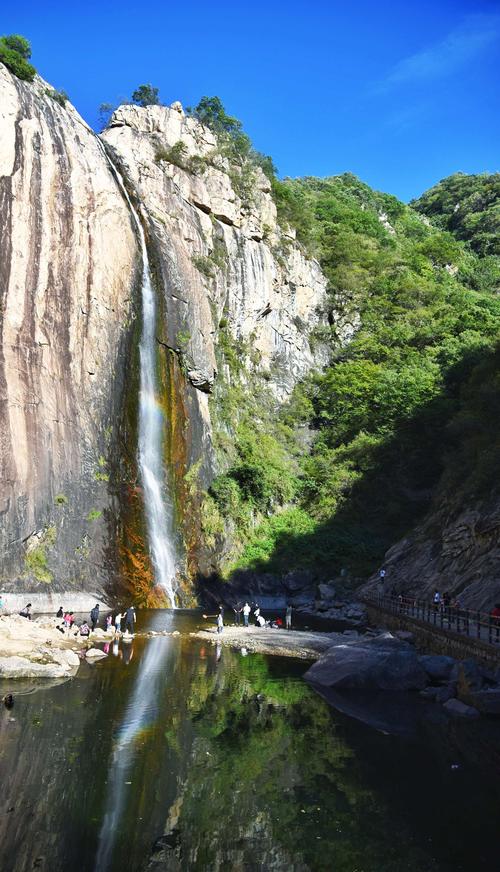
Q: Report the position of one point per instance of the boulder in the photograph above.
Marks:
(325, 592)
(298, 580)
(21, 667)
(380, 663)
(437, 666)
(487, 700)
(95, 654)
(405, 635)
(460, 710)
(443, 694)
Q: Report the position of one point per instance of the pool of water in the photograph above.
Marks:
(172, 754)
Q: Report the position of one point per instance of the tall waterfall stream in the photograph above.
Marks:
(158, 507)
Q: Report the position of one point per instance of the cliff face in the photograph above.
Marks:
(455, 549)
(68, 364)
(68, 260)
(220, 252)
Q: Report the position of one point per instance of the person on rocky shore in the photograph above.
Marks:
(94, 616)
(26, 612)
(288, 617)
(118, 622)
(60, 612)
(246, 614)
(257, 614)
(237, 609)
(130, 619)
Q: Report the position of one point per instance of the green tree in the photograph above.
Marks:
(14, 53)
(18, 44)
(146, 95)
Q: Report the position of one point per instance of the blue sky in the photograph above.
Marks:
(400, 94)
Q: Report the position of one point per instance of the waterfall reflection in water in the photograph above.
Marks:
(141, 711)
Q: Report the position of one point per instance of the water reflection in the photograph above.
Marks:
(141, 711)
(194, 757)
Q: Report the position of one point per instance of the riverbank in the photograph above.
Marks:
(304, 644)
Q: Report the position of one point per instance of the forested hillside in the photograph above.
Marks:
(407, 410)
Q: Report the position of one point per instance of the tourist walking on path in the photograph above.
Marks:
(94, 616)
(246, 613)
(118, 622)
(130, 619)
(288, 617)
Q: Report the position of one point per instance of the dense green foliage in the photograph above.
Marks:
(397, 411)
(469, 207)
(234, 143)
(146, 95)
(15, 52)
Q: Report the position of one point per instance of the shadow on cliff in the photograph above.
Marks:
(444, 456)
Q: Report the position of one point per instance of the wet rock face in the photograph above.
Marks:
(66, 280)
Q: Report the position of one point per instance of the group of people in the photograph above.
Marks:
(128, 616)
(245, 610)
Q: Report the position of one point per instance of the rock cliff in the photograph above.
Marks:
(70, 506)
(454, 549)
(67, 268)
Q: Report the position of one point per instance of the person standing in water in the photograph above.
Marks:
(118, 622)
(220, 621)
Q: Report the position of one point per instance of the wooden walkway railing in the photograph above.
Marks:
(469, 623)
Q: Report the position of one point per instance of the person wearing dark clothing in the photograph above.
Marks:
(60, 613)
(237, 609)
(495, 617)
(26, 612)
(130, 619)
(94, 616)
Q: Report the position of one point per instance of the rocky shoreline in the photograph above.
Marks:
(37, 649)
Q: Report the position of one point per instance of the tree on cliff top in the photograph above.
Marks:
(15, 51)
(146, 95)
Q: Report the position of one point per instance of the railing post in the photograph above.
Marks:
(441, 615)
(479, 625)
(490, 630)
(466, 622)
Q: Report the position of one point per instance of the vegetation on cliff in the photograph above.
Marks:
(15, 52)
(403, 406)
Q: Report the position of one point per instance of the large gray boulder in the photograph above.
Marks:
(437, 666)
(380, 663)
(460, 710)
(487, 701)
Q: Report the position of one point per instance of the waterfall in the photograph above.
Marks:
(159, 511)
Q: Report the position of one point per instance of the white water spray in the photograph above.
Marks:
(159, 513)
